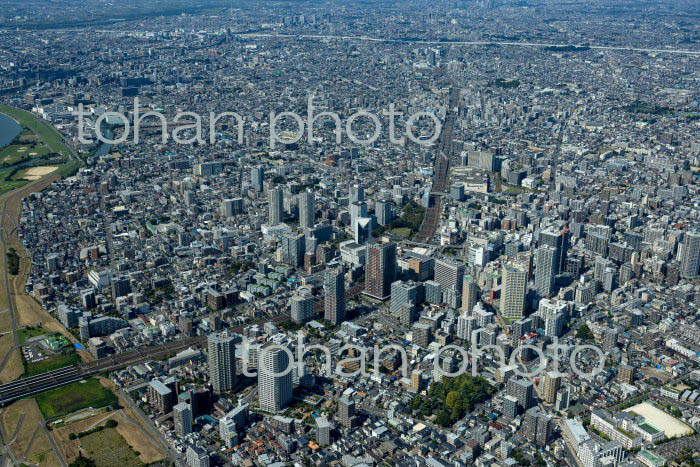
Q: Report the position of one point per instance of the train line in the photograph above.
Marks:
(441, 169)
(52, 379)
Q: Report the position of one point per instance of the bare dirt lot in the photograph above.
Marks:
(35, 173)
(671, 426)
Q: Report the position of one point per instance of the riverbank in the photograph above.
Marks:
(37, 145)
(10, 128)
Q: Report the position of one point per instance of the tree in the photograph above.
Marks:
(443, 418)
(415, 403)
(585, 333)
(83, 462)
(111, 424)
(452, 399)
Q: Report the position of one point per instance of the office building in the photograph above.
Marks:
(558, 238)
(383, 210)
(433, 292)
(89, 301)
(357, 210)
(404, 301)
(357, 194)
(293, 249)
(421, 335)
(457, 192)
(222, 362)
(121, 287)
(449, 275)
(362, 230)
(563, 400)
(231, 207)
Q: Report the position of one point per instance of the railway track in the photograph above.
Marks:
(33, 385)
(441, 169)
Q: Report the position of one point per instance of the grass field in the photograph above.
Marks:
(23, 419)
(26, 146)
(13, 154)
(67, 399)
(7, 182)
(108, 448)
(52, 363)
(14, 367)
(130, 431)
(401, 232)
(29, 332)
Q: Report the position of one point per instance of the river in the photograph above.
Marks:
(9, 129)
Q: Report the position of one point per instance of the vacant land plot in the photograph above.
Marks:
(20, 422)
(671, 425)
(14, 368)
(135, 431)
(108, 448)
(130, 431)
(66, 399)
(70, 448)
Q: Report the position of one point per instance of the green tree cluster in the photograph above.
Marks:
(452, 398)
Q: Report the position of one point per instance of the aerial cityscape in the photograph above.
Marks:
(350, 233)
